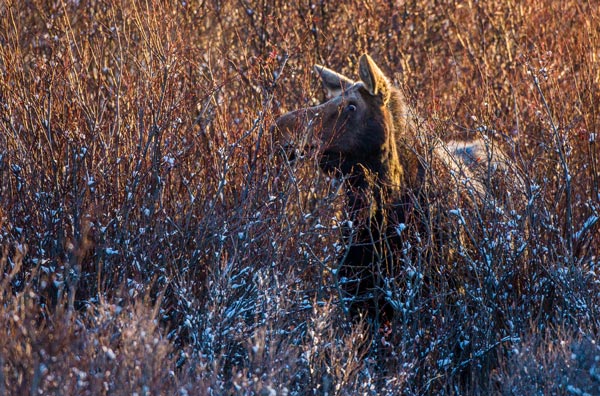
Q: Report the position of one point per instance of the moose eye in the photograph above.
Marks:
(351, 108)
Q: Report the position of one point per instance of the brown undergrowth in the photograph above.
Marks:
(154, 239)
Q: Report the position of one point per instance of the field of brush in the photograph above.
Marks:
(154, 241)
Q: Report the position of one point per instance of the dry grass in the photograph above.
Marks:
(154, 241)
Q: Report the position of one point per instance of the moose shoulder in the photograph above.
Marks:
(367, 135)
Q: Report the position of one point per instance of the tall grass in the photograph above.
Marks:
(154, 239)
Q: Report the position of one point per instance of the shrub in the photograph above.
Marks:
(152, 230)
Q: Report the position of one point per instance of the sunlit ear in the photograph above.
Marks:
(333, 82)
(375, 81)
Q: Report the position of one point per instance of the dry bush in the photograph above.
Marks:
(557, 364)
(152, 228)
(105, 349)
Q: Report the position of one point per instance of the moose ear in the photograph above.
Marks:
(375, 81)
(333, 82)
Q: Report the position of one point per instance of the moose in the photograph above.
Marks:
(369, 137)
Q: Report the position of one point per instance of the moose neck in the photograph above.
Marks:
(381, 186)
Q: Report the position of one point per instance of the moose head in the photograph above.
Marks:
(358, 129)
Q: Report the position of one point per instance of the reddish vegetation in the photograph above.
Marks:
(154, 241)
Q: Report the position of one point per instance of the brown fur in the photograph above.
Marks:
(368, 135)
